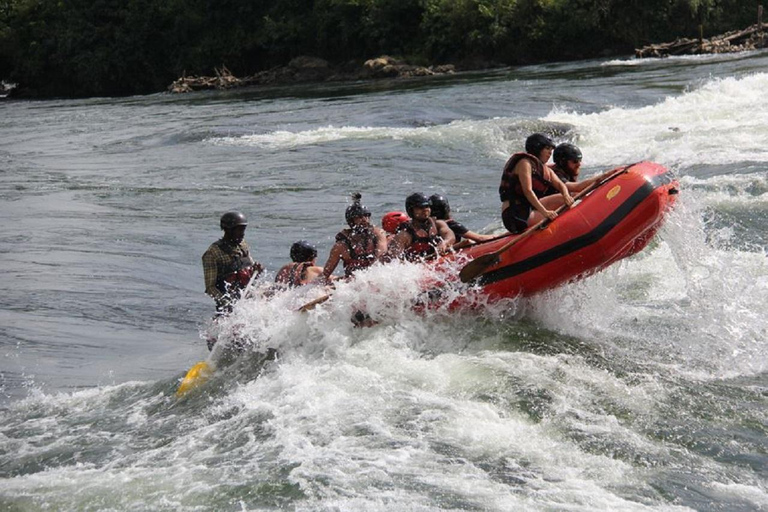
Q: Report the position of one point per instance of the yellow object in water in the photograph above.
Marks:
(196, 376)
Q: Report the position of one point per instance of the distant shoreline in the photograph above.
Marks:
(306, 69)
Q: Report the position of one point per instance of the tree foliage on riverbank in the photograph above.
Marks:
(119, 47)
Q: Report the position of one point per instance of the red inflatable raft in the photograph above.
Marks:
(613, 220)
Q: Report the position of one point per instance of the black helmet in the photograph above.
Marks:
(536, 142)
(441, 210)
(415, 200)
(356, 209)
(232, 219)
(565, 152)
(302, 251)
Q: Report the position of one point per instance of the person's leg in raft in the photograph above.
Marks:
(552, 202)
(515, 218)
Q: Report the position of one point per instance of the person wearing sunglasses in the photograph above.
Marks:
(567, 164)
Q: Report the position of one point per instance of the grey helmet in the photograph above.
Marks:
(441, 210)
(232, 219)
(416, 200)
(565, 152)
(302, 251)
(356, 209)
(536, 142)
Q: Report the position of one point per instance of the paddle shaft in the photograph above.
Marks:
(309, 306)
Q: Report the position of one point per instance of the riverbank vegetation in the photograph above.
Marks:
(77, 48)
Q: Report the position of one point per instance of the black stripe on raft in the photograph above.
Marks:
(584, 240)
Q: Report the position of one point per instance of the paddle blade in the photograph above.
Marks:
(477, 266)
(196, 376)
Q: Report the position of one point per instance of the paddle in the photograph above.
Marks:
(195, 377)
(309, 306)
(477, 266)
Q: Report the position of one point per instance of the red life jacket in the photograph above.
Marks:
(238, 272)
(510, 188)
(361, 247)
(241, 278)
(423, 241)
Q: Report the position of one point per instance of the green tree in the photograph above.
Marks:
(469, 28)
(116, 47)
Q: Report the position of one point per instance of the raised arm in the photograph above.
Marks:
(337, 251)
(446, 233)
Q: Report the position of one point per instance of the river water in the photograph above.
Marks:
(644, 387)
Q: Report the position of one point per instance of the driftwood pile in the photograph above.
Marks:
(6, 88)
(751, 38)
(224, 79)
(308, 69)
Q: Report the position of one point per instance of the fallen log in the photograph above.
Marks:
(224, 79)
(750, 38)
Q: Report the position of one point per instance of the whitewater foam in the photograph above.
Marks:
(726, 121)
(703, 58)
(707, 298)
